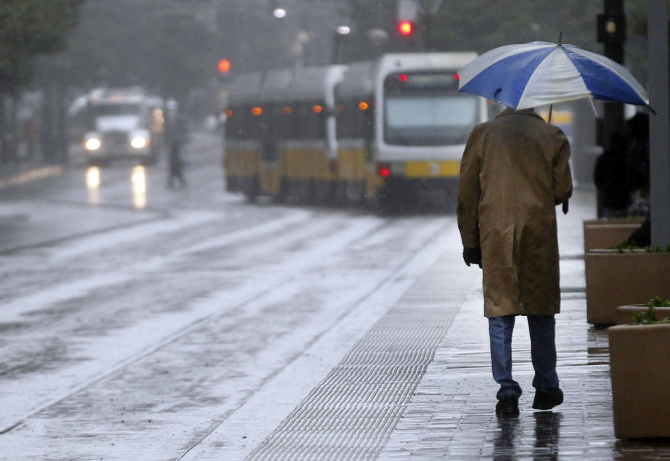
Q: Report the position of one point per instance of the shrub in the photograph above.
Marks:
(648, 317)
(630, 247)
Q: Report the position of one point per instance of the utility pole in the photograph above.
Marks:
(659, 140)
(429, 11)
(612, 33)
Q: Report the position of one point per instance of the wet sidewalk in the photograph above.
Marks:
(409, 390)
(451, 415)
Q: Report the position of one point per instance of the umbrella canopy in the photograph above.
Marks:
(541, 73)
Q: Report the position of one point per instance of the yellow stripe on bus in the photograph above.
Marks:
(434, 169)
(241, 162)
(351, 164)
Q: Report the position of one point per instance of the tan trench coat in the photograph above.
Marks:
(515, 170)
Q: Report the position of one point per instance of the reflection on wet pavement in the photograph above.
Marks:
(508, 443)
(504, 443)
(547, 433)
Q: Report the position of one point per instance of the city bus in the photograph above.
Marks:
(280, 134)
(379, 133)
(402, 127)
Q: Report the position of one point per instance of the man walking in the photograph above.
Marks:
(515, 170)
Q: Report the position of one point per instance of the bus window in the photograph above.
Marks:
(355, 120)
(425, 108)
(435, 119)
(346, 121)
(235, 123)
(313, 124)
(285, 121)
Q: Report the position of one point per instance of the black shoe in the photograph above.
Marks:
(546, 399)
(508, 405)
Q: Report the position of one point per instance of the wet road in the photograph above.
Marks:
(136, 319)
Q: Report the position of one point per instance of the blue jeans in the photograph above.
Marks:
(542, 346)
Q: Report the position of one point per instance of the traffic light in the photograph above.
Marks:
(224, 66)
(405, 28)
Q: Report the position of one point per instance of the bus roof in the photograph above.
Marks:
(318, 83)
(245, 88)
(396, 62)
(276, 85)
(358, 80)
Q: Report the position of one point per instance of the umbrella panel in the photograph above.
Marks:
(540, 73)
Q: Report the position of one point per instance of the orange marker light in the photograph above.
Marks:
(224, 66)
(257, 111)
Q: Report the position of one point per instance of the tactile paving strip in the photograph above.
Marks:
(353, 412)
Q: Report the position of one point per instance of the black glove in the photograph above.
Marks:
(472, 256)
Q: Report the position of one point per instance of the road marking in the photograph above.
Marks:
(238, 435)
(31, 175)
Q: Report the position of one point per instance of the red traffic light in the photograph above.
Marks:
(405, 28)
(224, 66)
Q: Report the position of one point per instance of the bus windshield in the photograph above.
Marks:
(112, 110)
(429, 119)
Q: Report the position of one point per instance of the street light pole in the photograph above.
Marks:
(659, 140)
(612, 34)
(429, 11)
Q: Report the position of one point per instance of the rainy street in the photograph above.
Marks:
(138, 319)
(229, 232)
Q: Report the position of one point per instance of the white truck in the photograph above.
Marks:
(117, 124)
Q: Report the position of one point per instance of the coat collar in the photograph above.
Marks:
(510, 111)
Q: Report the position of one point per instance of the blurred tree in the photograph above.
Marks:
(161, 46)
(158, 45)
(27, 29)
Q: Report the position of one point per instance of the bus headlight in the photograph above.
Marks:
(139, 142)
(92, 144)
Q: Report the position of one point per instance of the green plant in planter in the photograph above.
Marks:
(648, 317)
(658, 249)
(658, 302)
(629, 247)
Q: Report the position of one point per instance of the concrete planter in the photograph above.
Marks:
(640, 371)
(625, 314)
(605, 233)
(618, 279)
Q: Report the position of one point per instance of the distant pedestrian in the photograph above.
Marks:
(514, 172)
(638, 164)
(610, 176)
(177, 135)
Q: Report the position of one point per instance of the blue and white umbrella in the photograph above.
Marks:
(541, 73)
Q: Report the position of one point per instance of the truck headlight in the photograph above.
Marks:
(92, 144)
(139, 142)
